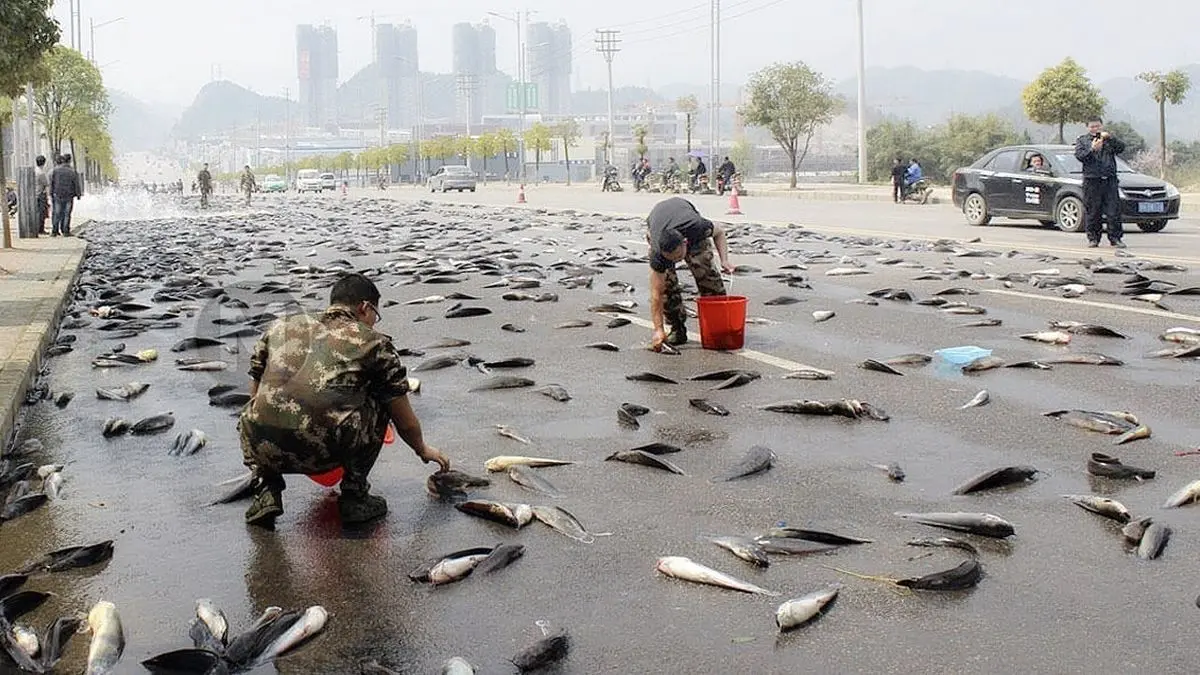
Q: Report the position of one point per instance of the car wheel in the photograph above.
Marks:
(975, 209)
(1068, 215)
(472, 189)
(1152, 226)
(432, 189)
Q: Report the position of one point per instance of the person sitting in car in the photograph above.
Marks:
(1037, 164)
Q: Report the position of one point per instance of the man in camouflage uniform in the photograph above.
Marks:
(204, 178)
(323, 390)
(677, 232)
(248, 185)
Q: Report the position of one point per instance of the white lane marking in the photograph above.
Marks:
(1100, 305)
(753, 355)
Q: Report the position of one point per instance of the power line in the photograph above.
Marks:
(606, 44)
(685, 31)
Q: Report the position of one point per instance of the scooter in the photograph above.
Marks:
(919, 192)
(611, 184)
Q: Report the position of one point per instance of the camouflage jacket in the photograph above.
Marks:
(247, 180)
(316, 370)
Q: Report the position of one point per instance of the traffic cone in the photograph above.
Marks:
(521, 194)
(735, 208)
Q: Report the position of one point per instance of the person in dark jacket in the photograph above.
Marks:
(1097, 150)
(43, 193)
(64, 190)
(898, 170)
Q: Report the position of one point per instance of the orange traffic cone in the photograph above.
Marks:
(521, 194)
(735, 208)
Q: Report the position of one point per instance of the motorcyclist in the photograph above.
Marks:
(725, 173)
(610, 176)
(699, 171)
(911, 176)
(671, 173)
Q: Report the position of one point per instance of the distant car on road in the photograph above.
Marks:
(328, 181)
(452, 177)
(1002, 184)
(308, 180)
(274, 183)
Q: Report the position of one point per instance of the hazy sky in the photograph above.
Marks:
(165, 50)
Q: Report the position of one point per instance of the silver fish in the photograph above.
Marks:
(308, 625)
(759, 458)
(508, 432)
(108, 639)
(189, 443)
(27, 640)
(1153, 541)
(822, 315)
(564, 522)
(503, 462)
(457, 666)
(1103, 506)
(744, 548)
(797, 612)
(530, 480)
(204, 366)
(213, 617)
(680, 567)
(1186, 495)
(985, 524)
(982, 398)
(450, 570)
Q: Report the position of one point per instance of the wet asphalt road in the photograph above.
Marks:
(1062, 595)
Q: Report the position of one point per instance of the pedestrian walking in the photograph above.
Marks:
(247, 184)
(65, 188)
(323, 390)
(43, 193)
(676, 231)
(1097, 150)
(204, 179)
(898, 171)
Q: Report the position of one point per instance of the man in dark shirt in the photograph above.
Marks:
(64, 190)
(898, 170)
(677, 232)
(43, 193)
(1097, 150)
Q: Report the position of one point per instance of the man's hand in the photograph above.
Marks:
(658, 338)
(432, 454)
(726, 267)
(1097, 142)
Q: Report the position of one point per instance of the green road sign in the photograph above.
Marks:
(513, 98)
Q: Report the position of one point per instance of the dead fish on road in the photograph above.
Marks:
(1086, 329)
(466, 312)
(783, 300)
(1052, 337)
(618, 322)
(530, 480)
(563, 522)
(725, 375)
(502, 556)
(1107, 466)
(800, 611)
(686, 569)
(514, 362)
(71, 557)
(1109, 508)
(908, 360)
(514, 515)
(446, 343)
(548, 650)
(427, 300)
(806, 534)
(708, 407)
(188, 444)
(996, 478)
(944, 542)
(981, 398)
(743, 548)
(822, 315)
(893, 471)
(982, 323)
(502, 382)
(1086, 358)
(650, 377)
(453, 483)
(555, 391)
(758, 459)
(207, 366)
(508, 432)
(152, 425)
(879, 366)
(985, 524)
(439, 362)
(125, 392)
(645, 459)
(574, 323)
(658, 448)
(503, 462)
(195, 343)
(603, 346)
(1186, 495)
(1153, 541)
(108, 639)
(808, 374)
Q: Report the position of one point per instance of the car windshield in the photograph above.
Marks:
(307, 173)
(273, 177)
(1067, 160)
(326, 175)
(457, 169)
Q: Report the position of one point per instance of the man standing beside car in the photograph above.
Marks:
(1097, 150)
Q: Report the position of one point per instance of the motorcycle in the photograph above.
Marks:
(919, 192)
(611, 184)
(700, 185)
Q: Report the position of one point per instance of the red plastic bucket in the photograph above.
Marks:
(333, 477)
(722, 321)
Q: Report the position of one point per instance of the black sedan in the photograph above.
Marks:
(1007, 182)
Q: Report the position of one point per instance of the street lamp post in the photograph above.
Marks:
(92, 33)
(522, 28)
(862, 95)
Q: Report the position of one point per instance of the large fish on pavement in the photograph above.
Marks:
(645, 459)
(108, 639)
(680, 567)
(795, 613)
(1103, 506)
(758, 459)
(996, 478)
(504, 462)
(985, 524)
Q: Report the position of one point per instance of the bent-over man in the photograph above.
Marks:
(323, 390)
(677, 232)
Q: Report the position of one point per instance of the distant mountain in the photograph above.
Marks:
(1131, 97)
(223, 106)
(137, 126)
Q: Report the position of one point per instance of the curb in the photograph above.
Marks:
(32, 344)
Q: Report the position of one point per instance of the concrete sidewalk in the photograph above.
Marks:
(36, 279)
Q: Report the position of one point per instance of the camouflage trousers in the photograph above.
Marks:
(702, 263)
(354, 446)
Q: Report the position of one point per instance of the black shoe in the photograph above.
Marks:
(266, 507)
(357, 509)
(1119, 244)
(677, 337)
(1093, 244)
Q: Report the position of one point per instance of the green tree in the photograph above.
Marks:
(1061, 95)
(742, 156)
(73, 97)
(688, 105)
(1135, 143)
(487, 145)
(464, 146)
(397, 154)
(506, 142)
(568, 132)
(964, 138)
(1166, 88)
(790, 100)
(97, 144)
(27, 34)
(537, 138)
(639, 136)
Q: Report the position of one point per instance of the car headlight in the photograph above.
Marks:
(1172, 191)
(1122, 193)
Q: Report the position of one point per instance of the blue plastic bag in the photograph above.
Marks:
(961, 356)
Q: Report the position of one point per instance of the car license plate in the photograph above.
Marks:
(1152, 207)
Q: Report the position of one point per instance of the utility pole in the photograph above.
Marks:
(33, 144)
(522, 35)
(606, 44)
(466, 87)
(287, 126)
(862, 99)
(714, 107)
